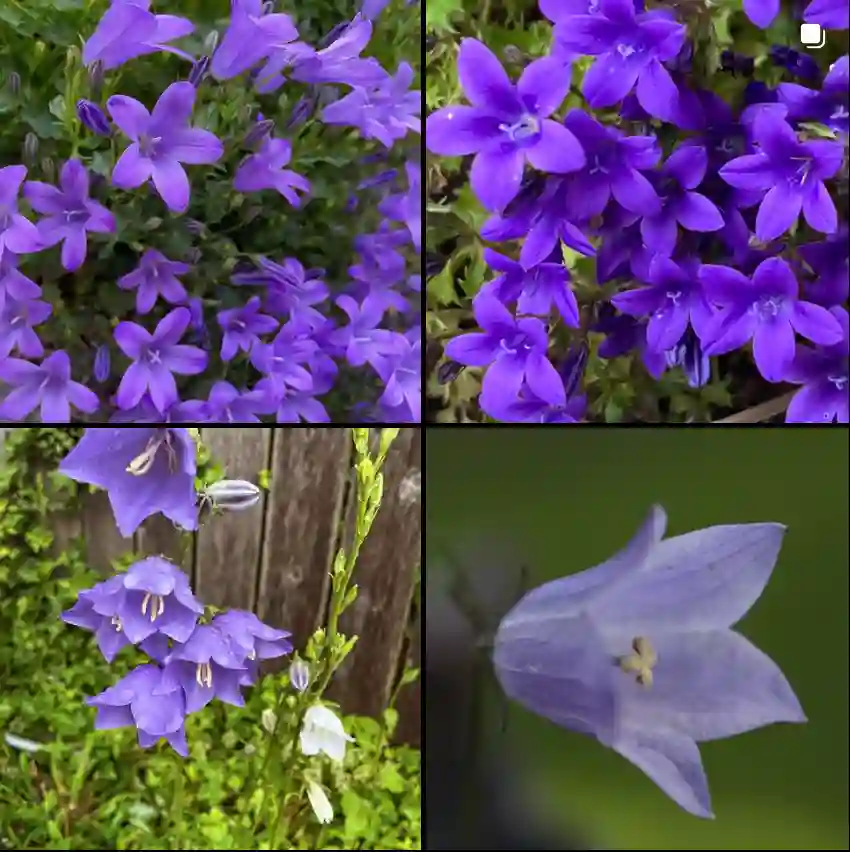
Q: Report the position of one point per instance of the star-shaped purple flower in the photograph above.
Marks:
(830, 14)
(680, 205)
(639, 653)
(506, 125)
(363, 341)
(242, 327)
(829, 259)
(766, 309)
(823, 372)
(385, 111)
(629, 49)
(17, 320)
(47, 385)
(14, 284)
(155, 277)
(674, 298)
(69, 213)
(129, 29)
(144, 471)
(535, 291)
(792, 172)
(141, 699)
(290, 288)
(161, 141)
(514, 350)
(265, 170)
(274, 395)
(155, 358)
(252, 640)
(402, 377)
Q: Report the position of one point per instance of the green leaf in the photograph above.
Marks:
(439, 15)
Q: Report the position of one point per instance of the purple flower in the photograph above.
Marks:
(402, 377)
(363, 341)
(289, 405)
(385, 111)
(830, 106)
(251, 37)
(690, 356)
(265, 170)
(155, 357)
(638, 652)
(830, 14)
(144, 471)
(282, 358)
(761, 12)
(155, 276)
(766, 309)
(516, 349)
(536, 290)
(14, 285)
(506, 124)
(679, 176)
(17, 233)
(93, 117)
(16, 327)
(792, 172)
(674, 298)
(47, 385)
(96, 609)
(142, 699)
(128, 29)
(407, 207)
(101, 364)
(241, 327)
(69, 213)
(157, 598)
(528, 407)
(290, 290)
(253, 639)
(226, 404)
(161, 141)
(823, 373)
(629, 49)
(204, 667)
(614, 165)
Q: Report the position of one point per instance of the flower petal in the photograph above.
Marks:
(132, 169)
(484, 81)
(496, 177)
(778, 212)
(656, 92)
(172, 184)
(129, 114)
(173, 109)
(557, 151)
(457, 130)
(609, 79)
(194, 146)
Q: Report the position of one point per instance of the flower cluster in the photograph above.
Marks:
(175, 321)
(712, 226)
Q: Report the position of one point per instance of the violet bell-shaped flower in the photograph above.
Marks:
(17, 233)
(144, 471)
(639, 653)
(506, 125)
(265, 170)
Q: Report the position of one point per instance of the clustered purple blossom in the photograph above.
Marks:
(298, 333)
(698, 230)
(151, 605)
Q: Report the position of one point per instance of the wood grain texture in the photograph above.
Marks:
(228, 548)
(385, 576)
(102, 540)
(409, 703)
(158, 536)
(303, 513)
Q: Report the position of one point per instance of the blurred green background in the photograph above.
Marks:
(569, 498)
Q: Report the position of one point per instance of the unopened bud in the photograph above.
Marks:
(199, 71)
(232, 495)
(299, 675)
(48, 169)
(101, 364)
(96, 77)
(13, 81)
(268, 720)
(93, 117)
(30, 148)
(257, 134)
(211, 41)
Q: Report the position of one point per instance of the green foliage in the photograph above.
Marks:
(40, 47)
(87, 789)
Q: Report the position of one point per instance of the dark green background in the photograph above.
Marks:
(570, 498)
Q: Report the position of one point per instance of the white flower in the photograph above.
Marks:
(320, 803)
(323, 732)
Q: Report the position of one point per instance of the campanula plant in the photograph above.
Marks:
(198, 654)
(153, 155)
(661, 185)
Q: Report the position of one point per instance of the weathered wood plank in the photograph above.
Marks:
(228, 548)
(409, 703)
(103, 542)
(309, 468)
(385, 576)
(158, 536)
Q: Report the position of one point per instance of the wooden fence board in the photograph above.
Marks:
(409, 703)
(385, 576)
(309, 471)
(103, 542)
(228, 547)
(158, 536)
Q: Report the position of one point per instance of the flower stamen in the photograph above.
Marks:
(641, 662)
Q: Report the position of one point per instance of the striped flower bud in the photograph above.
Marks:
(232, 495)
(93, 117)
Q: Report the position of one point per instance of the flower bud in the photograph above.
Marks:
(199, 71)
(93, 117)
(101, 363)
(302, 110)
(257, 134)
(30, 148)
(211, 41)
(320, 803)
(233, 495)
(48, 169)
(13, 81)
(299, 675)
(96, 77)
(268, 720)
